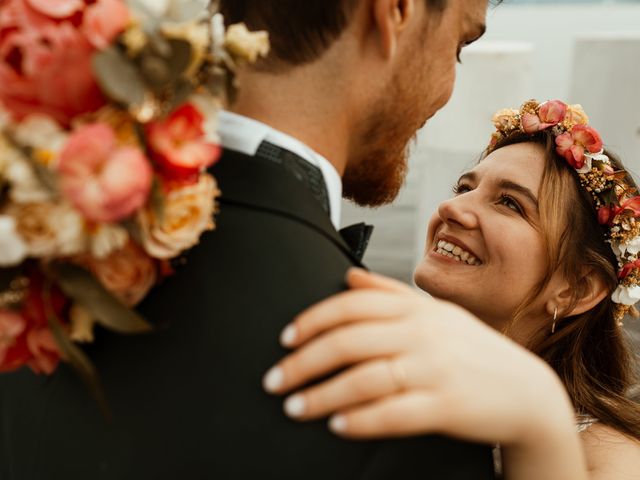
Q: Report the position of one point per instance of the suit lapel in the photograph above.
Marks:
(255, 183)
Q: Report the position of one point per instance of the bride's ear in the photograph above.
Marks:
(590, 292)
(391, 17)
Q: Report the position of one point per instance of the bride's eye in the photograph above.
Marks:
(460, 188)
(509, 202)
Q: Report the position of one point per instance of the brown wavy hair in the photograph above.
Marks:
(590, 352)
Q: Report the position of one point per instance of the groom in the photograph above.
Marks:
(328, 114)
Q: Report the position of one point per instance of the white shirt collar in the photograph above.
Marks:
(245, 135)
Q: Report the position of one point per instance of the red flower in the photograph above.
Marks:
(573, 146)
(628, 268)
(25, 337)
(179, 147)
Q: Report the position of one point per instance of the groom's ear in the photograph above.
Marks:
(391, 17)
(576, 299)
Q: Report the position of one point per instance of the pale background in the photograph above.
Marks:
(576, 51)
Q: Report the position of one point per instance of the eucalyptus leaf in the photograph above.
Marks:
(82, 365)
(118, 77)
(107, 310)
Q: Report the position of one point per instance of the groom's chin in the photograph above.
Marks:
(377, 179)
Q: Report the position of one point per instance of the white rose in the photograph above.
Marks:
(178, 11)
(71, 232)
(245, 44)
(632, 247)
(41, 132)
(25, 187)
(13, 249)
(49, 229)
(106, 239)
(209, 107)
(626, 295)
(188, 213)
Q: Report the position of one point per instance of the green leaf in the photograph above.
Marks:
(82, 365)
(107, 310)
(118, 77)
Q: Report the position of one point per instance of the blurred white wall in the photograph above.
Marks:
(529, 52)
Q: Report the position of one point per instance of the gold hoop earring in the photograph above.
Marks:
(555, 317)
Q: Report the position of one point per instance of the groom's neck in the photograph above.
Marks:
(304, 103)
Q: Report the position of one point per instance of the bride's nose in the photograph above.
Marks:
(460, 211)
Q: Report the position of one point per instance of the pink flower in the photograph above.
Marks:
(27, 338)
(57, 8)
(104, 181)
(552, 113)
(573, 145)
(549, 114)
(44, 351)
(12, 324)
(178, 144)
(104, 21)
(45, 65)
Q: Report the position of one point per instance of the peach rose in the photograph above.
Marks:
(575, 116)
(188, 212)
(104, 181)
(506, 119)
(128, 273)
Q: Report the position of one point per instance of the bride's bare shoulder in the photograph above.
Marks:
(611, 454)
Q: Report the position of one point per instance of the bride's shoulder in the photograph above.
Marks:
(610, 453)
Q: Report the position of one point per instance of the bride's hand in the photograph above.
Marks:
(405, 364)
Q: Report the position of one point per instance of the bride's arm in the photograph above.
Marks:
(610, 454)
(410, 365)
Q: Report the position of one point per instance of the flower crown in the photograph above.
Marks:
(616, 201)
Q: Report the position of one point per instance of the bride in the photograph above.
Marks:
(540, 242)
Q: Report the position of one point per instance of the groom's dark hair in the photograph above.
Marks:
(300, 30)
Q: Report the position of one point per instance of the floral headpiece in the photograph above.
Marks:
(108, 115)
(616, 202)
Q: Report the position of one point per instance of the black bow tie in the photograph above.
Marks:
(357, 237)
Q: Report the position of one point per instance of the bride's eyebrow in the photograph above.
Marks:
(469, 177)
(509, 185)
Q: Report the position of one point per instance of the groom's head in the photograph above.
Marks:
(392, 63)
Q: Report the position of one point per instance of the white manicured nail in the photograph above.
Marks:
(338, 423)
(288, 336)
(295, 406)
(273, 380)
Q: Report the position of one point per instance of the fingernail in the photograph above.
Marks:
(273, 380)
(289, 335)
(338, 423)
(295, 406)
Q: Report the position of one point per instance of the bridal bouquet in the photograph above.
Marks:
(107, 128)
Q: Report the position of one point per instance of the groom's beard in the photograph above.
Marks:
(375, 175)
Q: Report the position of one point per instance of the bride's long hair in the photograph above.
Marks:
(589, 352)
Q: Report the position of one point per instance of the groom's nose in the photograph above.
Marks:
(460, 211)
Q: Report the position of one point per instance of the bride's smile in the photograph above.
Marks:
(484, 248)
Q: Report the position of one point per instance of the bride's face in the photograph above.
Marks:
(484, 249)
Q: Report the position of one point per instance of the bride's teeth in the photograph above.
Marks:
(465, 256)
(449, 247)
(441, 244)
(457, 250)
(471, 260)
